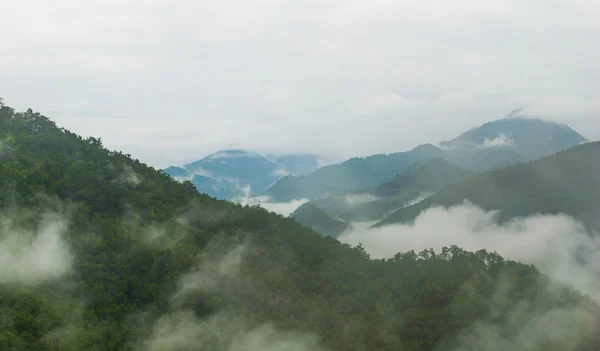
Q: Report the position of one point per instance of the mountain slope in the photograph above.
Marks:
(312, 216)
(493, 145)
(419, 181)
(566, 182)
(102, 252)
(423, 178)
(297, 164)
(532, 138)
(231, 174)
(356, 173)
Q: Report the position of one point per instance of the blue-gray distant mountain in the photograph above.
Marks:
(356, 173)
(297, 165)
(509, 139)
(230, 174)
(494, 145)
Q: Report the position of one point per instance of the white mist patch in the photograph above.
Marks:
(552, 243)
(418, 199)
(129, 177)
(502, 140)
(281, 172)
(282, 208)
(31, 258)
(182, 330)
(225, 155)
(354, 200)
(201, 172)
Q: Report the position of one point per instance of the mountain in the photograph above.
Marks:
(312, 216)
(529, 137)
(493, 145)
(230, 174)
(423, 178)
(99, 251)
(356, 173)
(418, 182)
(426, 175)
(297, 164)
(566, 182)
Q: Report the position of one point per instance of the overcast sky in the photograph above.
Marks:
(170, 81)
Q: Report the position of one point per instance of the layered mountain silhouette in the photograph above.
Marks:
(423, 178)
(230, 174)
(567, 182)
(490, 146)
(355, 173)
(102, 252)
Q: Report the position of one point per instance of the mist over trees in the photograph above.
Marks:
(102, 252)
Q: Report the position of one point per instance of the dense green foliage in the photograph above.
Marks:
(566, 182)
(138, 238)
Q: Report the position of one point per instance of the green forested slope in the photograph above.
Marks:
(121, 257)
(312, 216)
(566, 182)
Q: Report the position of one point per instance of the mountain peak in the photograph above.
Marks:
(530, 137)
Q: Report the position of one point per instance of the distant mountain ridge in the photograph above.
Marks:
(532, 138)
(493, 145)
(229, 174)
(355, 173)
(567, 182)
(423, 178)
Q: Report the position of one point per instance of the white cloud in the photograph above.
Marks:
(354, 200)
(34, 257)
(418, 199)
(308, 76)
(282, 208)
(549, 242)
(502, 140)
(181, 329)
(281, 172)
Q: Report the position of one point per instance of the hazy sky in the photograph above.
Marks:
(169, 81)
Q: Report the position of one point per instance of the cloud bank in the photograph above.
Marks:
(308, 76)
(558, 245)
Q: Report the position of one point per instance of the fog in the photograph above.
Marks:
(282, 208)
(32, 257)
(217, 272)
(303, 76)
(558, 245)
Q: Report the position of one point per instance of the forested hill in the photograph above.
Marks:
(566, 182)
(101, 252)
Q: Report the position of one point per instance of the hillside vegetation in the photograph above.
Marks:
(101, 252)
